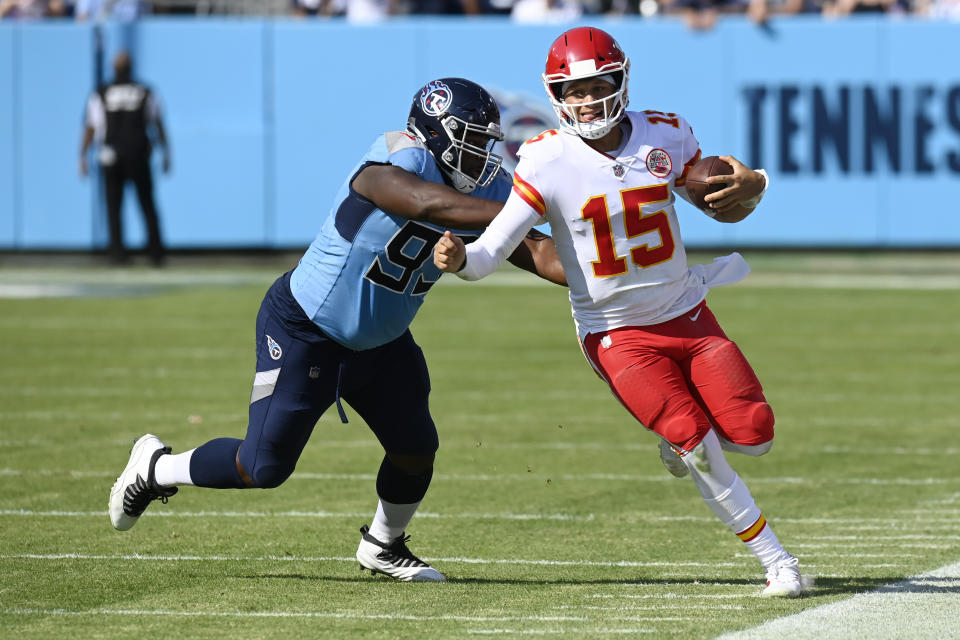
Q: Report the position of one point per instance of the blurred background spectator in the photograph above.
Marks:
(701, 15)
(760, 10)
(122, 10)
(939, 9)
(446, 7)
(839, 8)
(23, 8)
(549, 11)
(697, 14)
(27, 9)
(309, 8)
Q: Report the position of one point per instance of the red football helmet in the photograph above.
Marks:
(586, 52)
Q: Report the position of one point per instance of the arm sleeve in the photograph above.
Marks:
(690, 153)
(500, 239)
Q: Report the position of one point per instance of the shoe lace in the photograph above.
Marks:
(398, 548)
(136, 497)
(141, 493)
(784, 571)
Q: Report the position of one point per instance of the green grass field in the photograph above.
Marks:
(550, 511)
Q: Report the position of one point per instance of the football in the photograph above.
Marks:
(698, 187)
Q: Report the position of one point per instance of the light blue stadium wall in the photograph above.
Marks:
(857, 121)
(9, 141)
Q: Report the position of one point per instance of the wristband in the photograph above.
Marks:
(754, 201)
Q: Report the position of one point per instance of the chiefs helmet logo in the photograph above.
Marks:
(659, 163)
(436, 98)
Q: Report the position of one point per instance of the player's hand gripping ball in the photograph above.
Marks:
(698, 187)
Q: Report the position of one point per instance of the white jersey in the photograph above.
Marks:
(613, 222)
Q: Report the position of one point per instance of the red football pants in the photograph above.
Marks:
(682, 377)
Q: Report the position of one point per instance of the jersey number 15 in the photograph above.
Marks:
(635, 223)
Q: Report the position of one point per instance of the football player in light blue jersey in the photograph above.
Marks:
(366, 273)
(337, 326)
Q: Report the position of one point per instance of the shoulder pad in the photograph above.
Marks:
(668, 123)
(546, 146)
(399, 140)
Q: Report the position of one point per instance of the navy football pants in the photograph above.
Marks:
(297, 380)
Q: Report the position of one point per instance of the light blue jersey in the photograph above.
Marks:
(366, 273)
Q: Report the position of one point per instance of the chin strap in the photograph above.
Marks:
(462, 184)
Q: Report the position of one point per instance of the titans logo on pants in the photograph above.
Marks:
(275, 350)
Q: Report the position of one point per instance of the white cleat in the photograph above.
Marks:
(394, 559)
(672, 460)
(784, 580)
(136, 487)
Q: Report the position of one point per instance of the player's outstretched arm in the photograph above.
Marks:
(497, 243)
(538, 255)
(401, 193)
(744, 189)
(449, 253)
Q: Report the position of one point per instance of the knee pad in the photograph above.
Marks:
(260, 470)
(746, 426)
(270, 476)
(761, 419)
(682, 431)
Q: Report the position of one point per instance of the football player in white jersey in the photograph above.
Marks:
(606, 182)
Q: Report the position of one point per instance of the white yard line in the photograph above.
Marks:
(559, 445)
(648, 607)
(326, 615)
(670, 566)
(878, 524)
(456, 560)
(82, 283)
(293, 614)
(919, 608)
(534, 475)
(555, 445)
(304, 514)
(562, 632)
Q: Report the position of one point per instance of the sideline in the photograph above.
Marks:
(99, 287)
(919, 608)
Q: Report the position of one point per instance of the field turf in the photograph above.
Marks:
(549, 512)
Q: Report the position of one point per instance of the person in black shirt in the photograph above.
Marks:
(124, 118)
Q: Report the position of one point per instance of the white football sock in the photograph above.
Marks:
(765, 545)
(173, 469)
(730, 499)
(391, 520)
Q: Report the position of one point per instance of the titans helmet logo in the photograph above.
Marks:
(435, 98)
